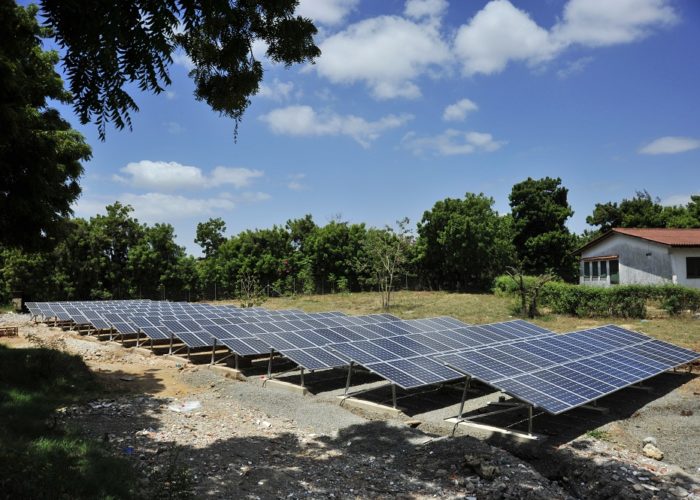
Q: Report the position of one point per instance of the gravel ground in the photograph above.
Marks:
(248, 441)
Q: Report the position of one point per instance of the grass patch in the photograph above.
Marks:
(37, 458)
(479, 308)
(599, 434)
(6, 308)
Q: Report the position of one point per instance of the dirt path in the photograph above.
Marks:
(190, 428)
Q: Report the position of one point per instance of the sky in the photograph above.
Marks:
(415, 101)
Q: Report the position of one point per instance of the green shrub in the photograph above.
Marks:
(623, 301)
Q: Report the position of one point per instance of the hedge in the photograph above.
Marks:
(624, 301)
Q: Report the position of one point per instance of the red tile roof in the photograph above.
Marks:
(670, 237)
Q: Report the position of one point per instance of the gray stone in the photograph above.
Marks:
(679, 492)
(649, 439)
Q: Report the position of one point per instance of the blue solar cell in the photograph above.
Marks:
(371, 348)
(395, 375)
(446, 374)
(397, 350)
(435, 345)
(328, 359)
(351, 352)
(331, 336)
(303, 358)
(413, 345)
(156, 332)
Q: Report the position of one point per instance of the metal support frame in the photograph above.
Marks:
(347, 382)
(393, 395)
(213, 353)
(302, 375)
(516, 406)
(269, 364)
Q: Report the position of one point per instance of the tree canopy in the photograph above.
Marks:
(540, 210)
(644, 211)
(463, 244)
(40, 153)
(132, 42)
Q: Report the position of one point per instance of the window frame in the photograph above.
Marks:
(695, 267)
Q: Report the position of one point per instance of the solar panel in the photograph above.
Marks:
(562, 372)
(405, 359)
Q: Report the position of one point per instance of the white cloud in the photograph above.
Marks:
(251, 197)
(670, 145)
(170, 95)
(160, 207)
(431, 9)
(574, 67)
(168, 176)
(182, 59)
(458, 111)
(277, 90)
(235, 176)
(451, 142)
(157, 207)
(678, 199)
(329, 12)
(174, 128)
(305, 121)
(597, 23)
(500, 33)
(295, 183)
(386, 53)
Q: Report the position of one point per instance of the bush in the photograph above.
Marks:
(624, 301)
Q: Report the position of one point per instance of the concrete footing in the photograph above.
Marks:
(377, 408)
(286, 386)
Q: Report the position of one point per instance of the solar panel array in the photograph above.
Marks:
(560, 372)
(553, 372)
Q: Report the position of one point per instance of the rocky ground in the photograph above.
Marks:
(188, 427)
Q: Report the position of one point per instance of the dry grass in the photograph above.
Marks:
(483, 308)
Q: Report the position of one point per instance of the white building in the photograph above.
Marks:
(642, 256)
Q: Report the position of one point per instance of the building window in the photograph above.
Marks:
(604, 269)
(586, 269)
(692, 266)
(595, 269)
(614, 272)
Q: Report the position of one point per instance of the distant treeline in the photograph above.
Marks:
(458, 245)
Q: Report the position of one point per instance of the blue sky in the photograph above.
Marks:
(412, 102)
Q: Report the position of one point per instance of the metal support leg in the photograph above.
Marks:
(464, 396)
(347, 382)
(302, 376)
(170, 351)
(188, 353)
(393, 395)
(269, 365)
(529, 419)
(213, 353)
(235, 361)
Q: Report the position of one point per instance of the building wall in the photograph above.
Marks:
(678, 264)
(641, 262)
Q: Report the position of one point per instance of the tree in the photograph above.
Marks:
(40, 153)
(644, 211)
(463, 243)
(210, 236)
(540, 210)
(385, 256)
(132, 42)
(334, 250)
